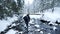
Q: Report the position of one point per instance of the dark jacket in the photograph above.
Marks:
(26, 19)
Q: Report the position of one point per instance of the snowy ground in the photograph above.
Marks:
(35, 25)
(52, 16)
(5, 23)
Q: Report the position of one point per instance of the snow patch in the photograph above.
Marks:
(35, 16)
(11, 32)
(48, 15)
(5, 23)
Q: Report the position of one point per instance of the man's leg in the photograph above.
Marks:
(27, 26)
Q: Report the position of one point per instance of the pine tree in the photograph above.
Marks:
(10, 7)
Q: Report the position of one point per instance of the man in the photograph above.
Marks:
(27, 19)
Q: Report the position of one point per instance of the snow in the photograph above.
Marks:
(35, 16)
(5, 23)
(37, 26)
(31, 21)
(11, 32)
(37, 30)
(28, 2)
(13, 25)
(54, 28)
(21, 32)
(15, 1)
(14, 18)
(41, 32)
(53, 23)
(48, 15)
(49, 33)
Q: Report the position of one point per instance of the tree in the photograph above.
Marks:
(10, 7)
(52, 5)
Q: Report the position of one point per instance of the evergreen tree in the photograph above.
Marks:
(10, 7)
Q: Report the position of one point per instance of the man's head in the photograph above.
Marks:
(27, 14)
